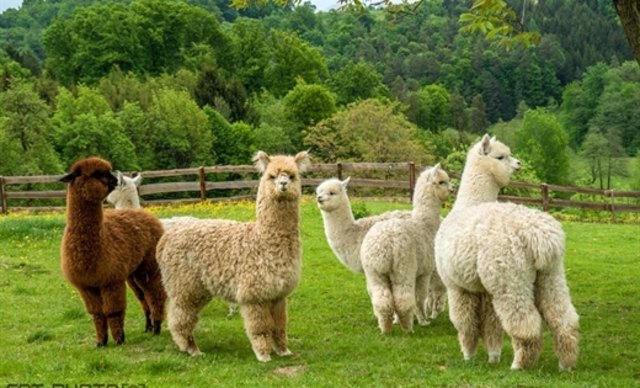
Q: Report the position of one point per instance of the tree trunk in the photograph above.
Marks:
(629, 13)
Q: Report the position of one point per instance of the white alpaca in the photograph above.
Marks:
(345, 234)
(503, 266)
(125, 195)
(398, 255)
(255, 264)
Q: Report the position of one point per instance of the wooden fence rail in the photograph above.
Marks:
(400, 176)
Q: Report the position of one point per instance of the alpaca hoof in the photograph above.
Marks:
(565, 368)
(515, 366)
(195, 353)
(263, 357)
(284, 353)
(156, 327)
(120, 341)
(100, 345)
(468, 356)
(494, 358)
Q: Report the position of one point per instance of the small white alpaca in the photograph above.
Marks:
(398, 255)
(502, 265)
(345, 234)
(255, 264)
(125, 194)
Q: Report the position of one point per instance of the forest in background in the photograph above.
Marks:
(154, 84)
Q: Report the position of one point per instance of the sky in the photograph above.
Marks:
(321, 5)
(4, 4)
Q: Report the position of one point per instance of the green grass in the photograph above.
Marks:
(47, 338)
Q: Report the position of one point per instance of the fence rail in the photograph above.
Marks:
(401, 176)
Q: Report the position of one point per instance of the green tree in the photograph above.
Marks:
(433, 108)
(370, 131)
(542, 142)
(86, 126)
(234, 143)
(292, 58)
(306, 105)
(26, 134)
(477, 115)
(181, 135)
(358, 81)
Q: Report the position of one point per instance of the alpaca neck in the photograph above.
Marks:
(279, 217)
(85, 219)
(427, 209)
(343, 236)
(476, 187)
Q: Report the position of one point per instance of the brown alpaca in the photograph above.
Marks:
(100, 251)
(254, 264)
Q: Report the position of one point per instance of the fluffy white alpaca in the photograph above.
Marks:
(503, 267)
(398, 255)
(125, 195)
(345, 234)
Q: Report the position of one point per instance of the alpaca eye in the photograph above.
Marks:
(500, 157)
(272, 177)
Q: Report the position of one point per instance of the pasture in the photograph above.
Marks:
(47, 338)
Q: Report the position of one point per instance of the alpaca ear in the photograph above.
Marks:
(261, 160)
(303, 160)
(118, 175)
(137, 180)
(344, 183)
(70, 177)
(437, 167)
(485, 147)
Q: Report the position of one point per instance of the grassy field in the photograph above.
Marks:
(47, 338)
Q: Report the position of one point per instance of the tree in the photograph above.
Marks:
(542, 142)
(369, 130)
(292, 58)
(26, 134)
(306, 105)
(358, 81)
(477, 115)
(86, 126)
(431, 108)
(234, 143)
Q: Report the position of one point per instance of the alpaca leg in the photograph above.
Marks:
(114, 303)
(436, 296)
(464, 309)
(523, 323)
(492, 332)
(421, 294)
(182, 318)
(149, 280)
(137, 291)
(259, 325)
(554, 302)
(279, 314)
(93, 303)
(404, 302)
(382, 300)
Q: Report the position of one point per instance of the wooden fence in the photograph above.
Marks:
(400, 177)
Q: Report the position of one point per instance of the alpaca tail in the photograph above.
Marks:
(544, 241)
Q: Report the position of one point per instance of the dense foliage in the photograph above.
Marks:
(153, 84)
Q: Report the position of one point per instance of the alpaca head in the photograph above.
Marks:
(432, 183)
(281, 174)
(125, 194)
(493, 158)
(91, 179)
(332, 194)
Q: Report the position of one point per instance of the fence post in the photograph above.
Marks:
(339, 170)
(544, 188)
(203, 184)
(3, 199)
(612, 206)
(412, 179)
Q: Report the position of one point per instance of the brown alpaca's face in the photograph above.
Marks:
(91, 179)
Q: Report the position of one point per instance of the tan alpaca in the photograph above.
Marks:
(255, 264)
(503, 266)
(101, 251)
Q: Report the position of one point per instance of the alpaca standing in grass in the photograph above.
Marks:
(101, 251)
(398, 255)
(345, 234)
(503, 267)
(255, 264)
